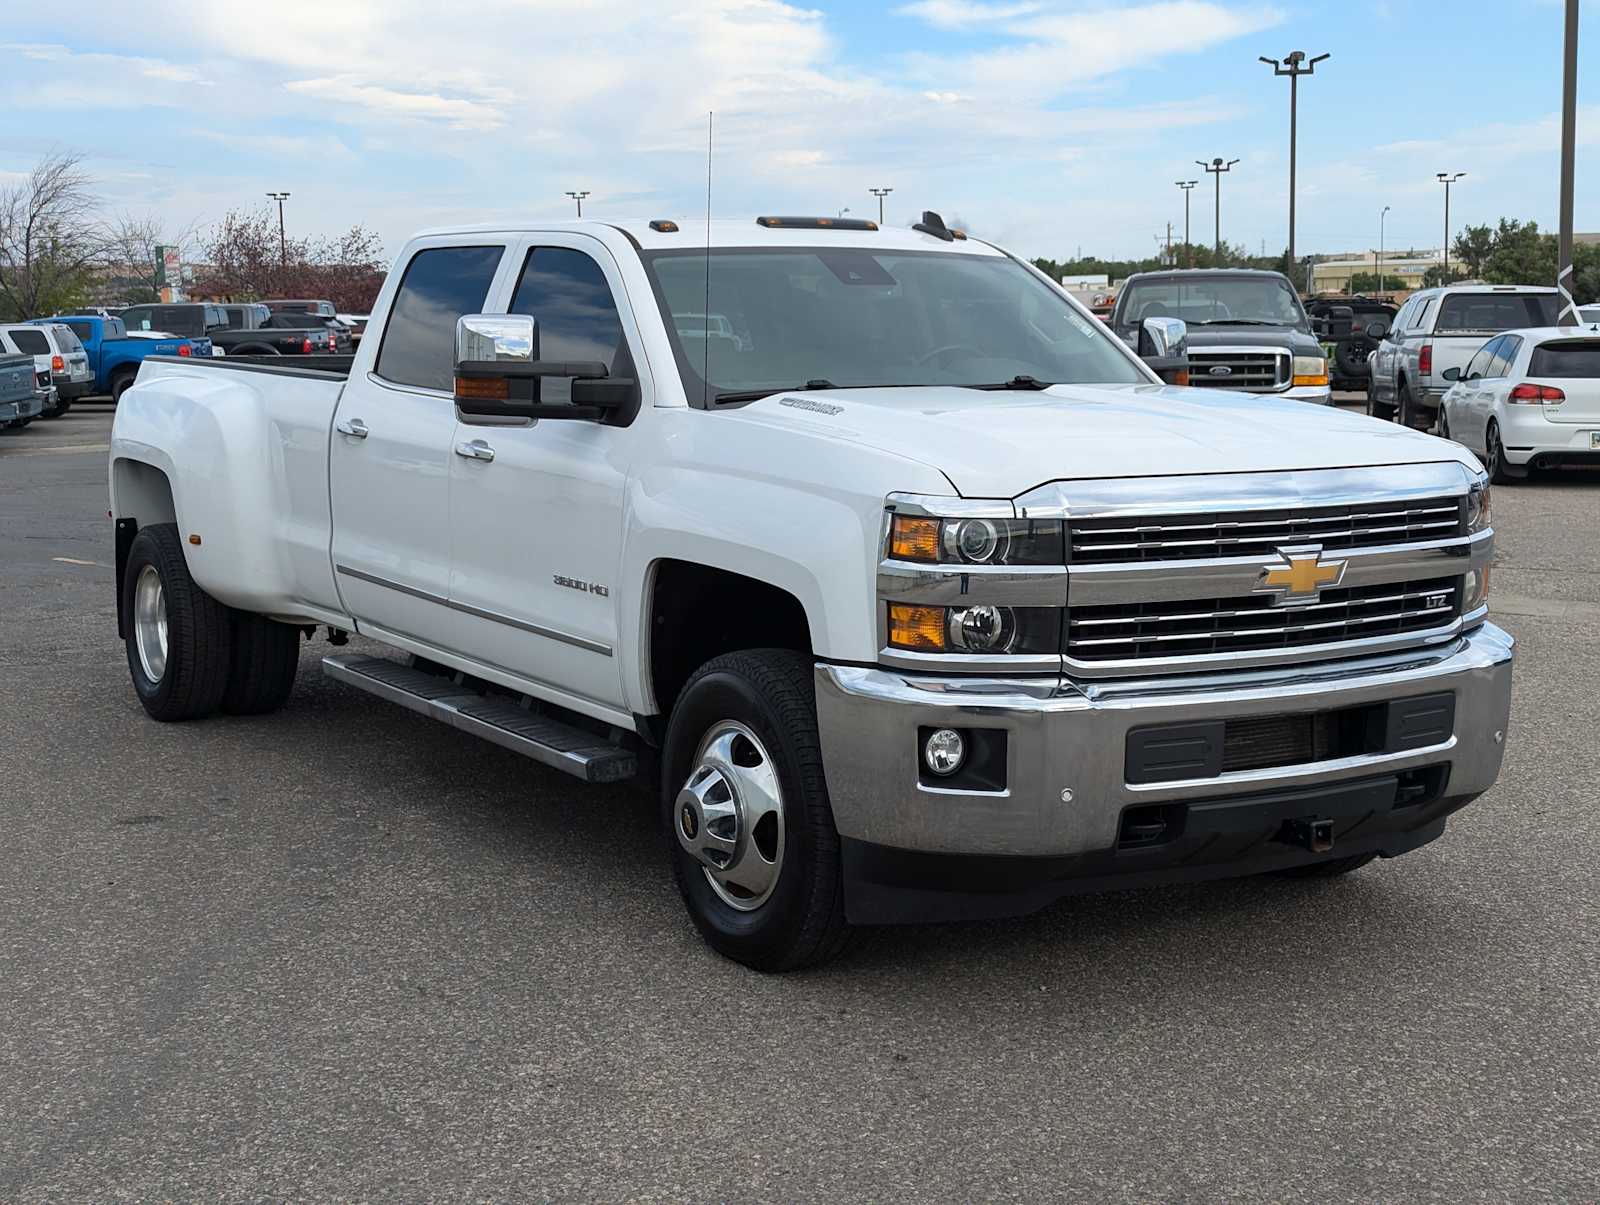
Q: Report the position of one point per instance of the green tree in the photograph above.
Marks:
(1367, 282)
(1436, 276)
(1521, 255)
(1472, 248)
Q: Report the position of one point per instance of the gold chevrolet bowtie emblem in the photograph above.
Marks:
(1300, 577)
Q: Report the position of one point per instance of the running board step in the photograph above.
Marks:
(581, 754)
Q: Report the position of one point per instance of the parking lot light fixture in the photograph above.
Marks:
(578, 197)
(283, 240)
(1381, 216)
(1447, 179)
(1216, 167)
(1188, 247)
(1294, 65)
(880, 193)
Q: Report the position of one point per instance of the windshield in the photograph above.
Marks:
(849, 316)
(1213, 300)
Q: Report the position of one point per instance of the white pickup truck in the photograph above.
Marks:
(904, 583)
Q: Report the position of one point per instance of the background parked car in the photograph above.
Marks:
(114, 355)
(1439, 329)
(254, 330)
(21, 400)
(1527, 399)
(1343, 326)
(58, 355)
(357, 324)
(1590, 313)
(1246, 329)
(343, 337)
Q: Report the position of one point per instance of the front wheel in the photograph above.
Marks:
(745, 808)
(178, 637)
(119, 385)
(1375, 408)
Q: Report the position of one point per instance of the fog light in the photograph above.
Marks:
(944, 752)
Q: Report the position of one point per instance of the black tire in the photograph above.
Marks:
(1444, 422)
(199, 632)
(802, 922)
(1501, 472)
(56, 411)
(1330, 869)
(1375, 408)
(266, 655)
(1350, 356)
(120, 383)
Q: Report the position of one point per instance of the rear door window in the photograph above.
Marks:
(1505, 351)
(1478, 366)
(440, 285)
(84, 330)
(1579, 358)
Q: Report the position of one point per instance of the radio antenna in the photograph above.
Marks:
(705, 352)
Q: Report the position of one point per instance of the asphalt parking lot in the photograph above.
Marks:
(341, 952)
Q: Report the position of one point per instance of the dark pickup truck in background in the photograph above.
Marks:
(311, 311)
(239, 330)
(1245, 329)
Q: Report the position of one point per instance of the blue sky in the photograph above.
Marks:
(1043, 124)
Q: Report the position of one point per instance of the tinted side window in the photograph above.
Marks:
(83, 330)
(32, 342)
(566, 292)
(1505, 356)
(440, 285)
(1419, 320)
(1478, 366)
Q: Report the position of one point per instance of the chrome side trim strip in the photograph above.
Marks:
(582, 642)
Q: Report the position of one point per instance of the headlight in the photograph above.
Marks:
(1478, 516)
(978, 630)
(976, 541)
(1310, 370)
(1475, 590)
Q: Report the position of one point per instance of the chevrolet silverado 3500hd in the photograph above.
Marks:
(907, 585)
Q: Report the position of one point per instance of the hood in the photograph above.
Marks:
(999, 445)
(1298, 341)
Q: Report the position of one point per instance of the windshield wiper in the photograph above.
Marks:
(755, 395)
(1020, 382)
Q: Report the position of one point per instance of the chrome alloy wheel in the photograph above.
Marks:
(729, 816)
(150, 623)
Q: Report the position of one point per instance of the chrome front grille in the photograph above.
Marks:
(1261, 371)
(1263, 533)
(1206, 627)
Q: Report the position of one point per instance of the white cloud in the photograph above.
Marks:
(965, 14)
(458, 112)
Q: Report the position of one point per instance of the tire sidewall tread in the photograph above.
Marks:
(199, 635)
(771, 691)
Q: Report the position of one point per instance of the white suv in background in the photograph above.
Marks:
(1528, 399)
(1440, 329)
(57, 353)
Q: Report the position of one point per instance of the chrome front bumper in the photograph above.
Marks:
(1065, 780)
(1321, 395)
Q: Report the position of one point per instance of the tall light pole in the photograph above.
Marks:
(1569, 121)
(1294, 65)
(1447, 179)
(578, 197)
(880, 193)
(283, 239)
(1188, 247)
(1216, 167)
(1381, 250)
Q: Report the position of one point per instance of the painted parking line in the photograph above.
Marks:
(55, 450)
(72, 560)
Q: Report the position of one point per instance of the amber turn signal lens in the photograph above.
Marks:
(919, 629)
(914, 539)
(483, 389)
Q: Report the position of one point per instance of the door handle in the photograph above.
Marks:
(352, 426)
(475, 450)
